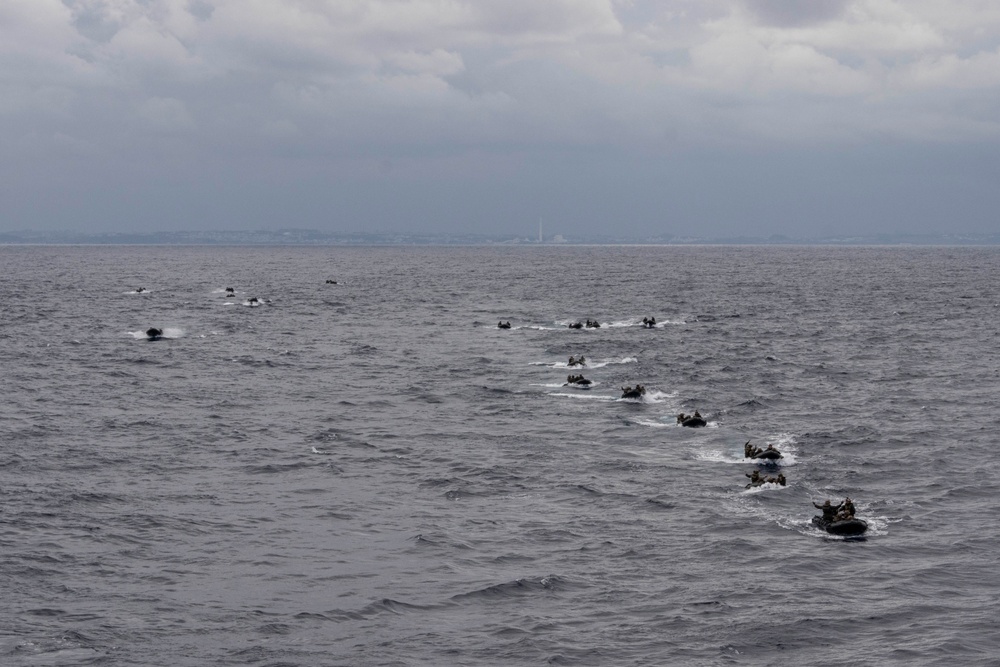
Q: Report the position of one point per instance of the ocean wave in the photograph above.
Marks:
(515, 589)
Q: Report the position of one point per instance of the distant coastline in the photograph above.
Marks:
(310, 237)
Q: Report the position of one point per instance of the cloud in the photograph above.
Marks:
(786, 13)
(36, 42)
(744, 63)
(479, 83)
(438, 62)
(482, 64)
(165, 114)
(557, 20)
(951, 71)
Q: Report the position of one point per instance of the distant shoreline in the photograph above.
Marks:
(705, 244)
(312, 238)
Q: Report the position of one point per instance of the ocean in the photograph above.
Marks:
(369, 472)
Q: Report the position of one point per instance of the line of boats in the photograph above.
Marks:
(836, 519)
(154, 333)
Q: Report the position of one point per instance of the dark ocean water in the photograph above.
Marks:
(371, 473)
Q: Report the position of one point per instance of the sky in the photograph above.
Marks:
(622, 117)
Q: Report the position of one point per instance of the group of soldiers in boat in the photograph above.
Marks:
(252, 301)
(577, 379)
(633, 392)
(756, 479)
(573, 361)
(770, 454)
(648, 322)
(752, 452)
(842, 512)
(694, 420)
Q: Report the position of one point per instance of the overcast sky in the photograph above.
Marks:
(700, 117)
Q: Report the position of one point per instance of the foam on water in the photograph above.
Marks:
(767, 486)
(556, 326)
(718, 456)
(583, 395)
(733, 453)
(653, 423)
(637, 322)
(877, 527)
(589, 365)
(651, 397)
(671, 422)
(787, 459)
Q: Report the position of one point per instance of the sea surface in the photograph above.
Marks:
(372, 473)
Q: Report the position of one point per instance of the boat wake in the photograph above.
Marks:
(651, 397)
(768, 486)
(589, 365)
(584, 395)
(565, 385)
(637, 322)
(733, 454)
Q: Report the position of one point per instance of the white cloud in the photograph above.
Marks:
(37, 43)
(35, 28)
(466, 73)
